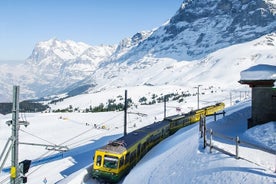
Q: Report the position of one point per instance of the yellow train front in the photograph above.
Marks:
(115, 160)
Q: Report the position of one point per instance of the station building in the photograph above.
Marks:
(262, 80)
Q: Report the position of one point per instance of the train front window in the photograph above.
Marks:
(110, 162)
(99, 160)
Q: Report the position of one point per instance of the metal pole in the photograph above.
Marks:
(237, 147)
(15, 128)
(198, 95)
(125, 115)
(7, 146)
(211, 137)
(165, 108)
(240, 96)
(201, 126)
(204, 133)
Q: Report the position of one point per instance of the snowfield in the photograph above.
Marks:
(178, 159)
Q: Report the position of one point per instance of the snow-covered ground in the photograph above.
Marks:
(181, 158)
(178, 159)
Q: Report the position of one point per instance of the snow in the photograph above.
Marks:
(48, 79)
(259, 72)
(266, 134)
(178, 159)
(181, 159)
(271, 1)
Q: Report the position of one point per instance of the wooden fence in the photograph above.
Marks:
(208, 136)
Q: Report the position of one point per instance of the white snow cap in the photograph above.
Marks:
(259, 72)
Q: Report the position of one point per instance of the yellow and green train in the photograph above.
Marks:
(115, 160)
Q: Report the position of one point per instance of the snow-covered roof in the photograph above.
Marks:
(259, 72)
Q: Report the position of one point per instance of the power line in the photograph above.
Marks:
(68, 140)
(37, 137)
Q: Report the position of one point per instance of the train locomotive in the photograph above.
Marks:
(114, 160)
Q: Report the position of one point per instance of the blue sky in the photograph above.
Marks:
(23, 23)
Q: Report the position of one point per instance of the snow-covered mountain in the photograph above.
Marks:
(200, 40)
(52, 66)
(201, 27)
(220, 69)
(59, 64)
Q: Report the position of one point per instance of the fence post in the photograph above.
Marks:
(200, 126)
(211, 136)
(237, 147)
(204, 132)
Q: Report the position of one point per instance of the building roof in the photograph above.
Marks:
(258, 83)
(262, 75)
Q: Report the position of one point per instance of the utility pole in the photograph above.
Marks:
(125, 114)
(17, 170)
(15, 128)
(165, 107)
(198, 95)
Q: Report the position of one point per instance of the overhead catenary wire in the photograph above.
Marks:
(72, 138)
(37, 137)
(82, 133)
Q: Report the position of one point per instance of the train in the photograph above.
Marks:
(115, 160)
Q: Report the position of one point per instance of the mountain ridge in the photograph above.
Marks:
(193, 34)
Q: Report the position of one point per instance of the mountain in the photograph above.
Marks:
(201, 27)
(52, 66)
(202, 38)
(221, 68)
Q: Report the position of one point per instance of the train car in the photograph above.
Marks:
(214, 108)
(178, 121)
(114, 160)
(209, 110)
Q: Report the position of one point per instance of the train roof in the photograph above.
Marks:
(123, 143)
(175, 117)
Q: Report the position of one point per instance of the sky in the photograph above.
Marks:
(23, 23)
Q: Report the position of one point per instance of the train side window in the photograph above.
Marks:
(138, 149)
(127, 158)
(99, 160)
(121, 161)
(143, 147)
(133, 156)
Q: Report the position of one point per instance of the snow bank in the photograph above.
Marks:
(263, 134)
